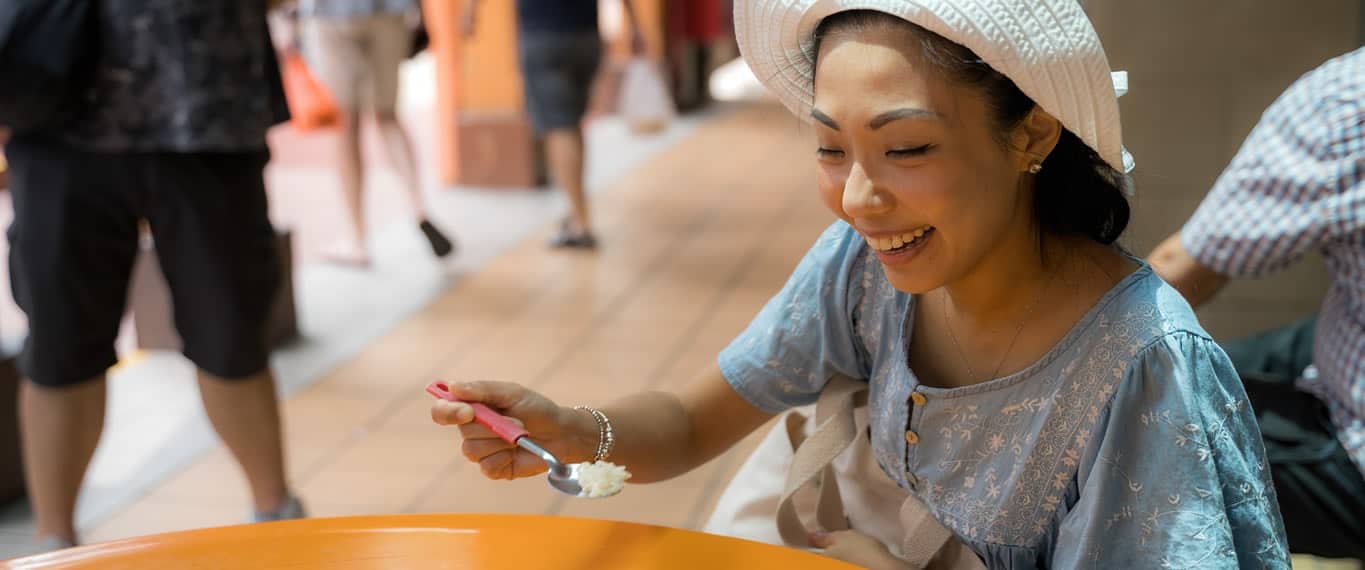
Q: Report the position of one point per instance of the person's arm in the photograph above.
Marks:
(1279, 198)
(701, 422)
(469, 20)
(659, 435)
(637, 36)
(1195, 281)
(797, 342)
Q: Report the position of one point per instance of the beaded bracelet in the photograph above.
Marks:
(606, 438)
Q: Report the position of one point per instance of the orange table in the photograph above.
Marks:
(454, 542)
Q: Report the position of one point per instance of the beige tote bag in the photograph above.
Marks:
(821, 474)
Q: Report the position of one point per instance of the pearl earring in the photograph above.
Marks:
(1035, 168)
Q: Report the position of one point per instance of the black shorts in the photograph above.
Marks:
(557, 71)
(75, 237)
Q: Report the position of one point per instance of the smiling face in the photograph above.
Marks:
(916, 162)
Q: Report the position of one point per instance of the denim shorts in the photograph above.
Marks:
(557, 71)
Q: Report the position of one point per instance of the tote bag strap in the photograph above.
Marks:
(835, 430)
(924, 536)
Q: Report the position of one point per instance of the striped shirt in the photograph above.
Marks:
(1298, 185)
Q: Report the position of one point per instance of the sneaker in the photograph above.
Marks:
(292, 509)
(573, 239)
(440, 244)
(52, 543)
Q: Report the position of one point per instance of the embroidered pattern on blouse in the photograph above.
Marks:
(1187, 510)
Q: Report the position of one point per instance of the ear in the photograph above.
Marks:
(1035, 137)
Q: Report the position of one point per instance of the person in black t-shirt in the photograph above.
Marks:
(171, 133)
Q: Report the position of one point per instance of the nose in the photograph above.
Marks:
(861, 196)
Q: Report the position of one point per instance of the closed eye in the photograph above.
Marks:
(823, 152)
(909, 152)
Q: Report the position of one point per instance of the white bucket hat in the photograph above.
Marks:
(1048, 48)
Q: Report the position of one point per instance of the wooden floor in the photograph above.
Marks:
(693, 244)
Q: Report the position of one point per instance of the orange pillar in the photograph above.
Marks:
(442, 19)
(478, 89)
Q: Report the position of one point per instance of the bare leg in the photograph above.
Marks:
(564, 155)
(399, 148)
(60, 428)
(352, 170)
(246, 414)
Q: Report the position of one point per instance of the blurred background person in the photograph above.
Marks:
(560, 50)
(355, 48)
(173, 135)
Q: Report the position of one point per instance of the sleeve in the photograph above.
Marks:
(805, 334)
(1291, 186)
(1178, 478)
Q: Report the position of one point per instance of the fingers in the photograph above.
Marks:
(821, 539)
(497, 465)
(449, 413)
(510, 464)
(497, 458)
(497, 395)
(476, 429)
(844, 539)
(856, 548)
(478, 449)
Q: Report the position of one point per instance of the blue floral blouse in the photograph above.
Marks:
(1131, 442)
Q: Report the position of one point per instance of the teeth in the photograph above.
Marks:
(894, 242)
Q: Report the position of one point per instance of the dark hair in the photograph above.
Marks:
(1076, 193)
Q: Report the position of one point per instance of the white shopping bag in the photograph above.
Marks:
(645, 102)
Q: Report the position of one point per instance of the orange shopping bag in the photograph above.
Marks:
(310, 106)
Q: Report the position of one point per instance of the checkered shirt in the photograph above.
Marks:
(1298, 185)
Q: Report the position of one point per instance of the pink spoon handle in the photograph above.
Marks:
(507, 429)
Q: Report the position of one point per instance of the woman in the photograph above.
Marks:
(356, 48)
(1050, 399)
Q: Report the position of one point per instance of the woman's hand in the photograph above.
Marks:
(857, 548)
(564, 432)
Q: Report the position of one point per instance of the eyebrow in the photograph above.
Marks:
(880, 120)
(824, 119)
(889, 117)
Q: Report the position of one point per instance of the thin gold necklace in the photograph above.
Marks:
(963, 355)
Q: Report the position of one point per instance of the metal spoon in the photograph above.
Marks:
(563, 477)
